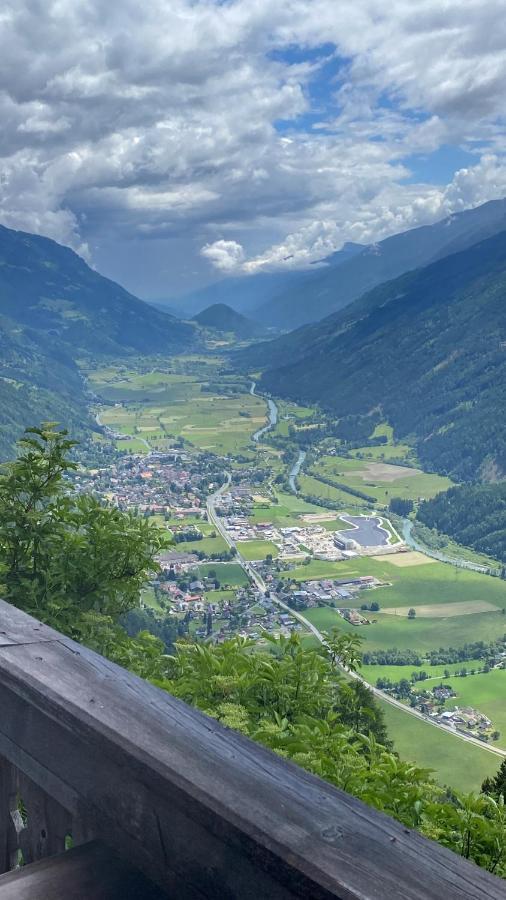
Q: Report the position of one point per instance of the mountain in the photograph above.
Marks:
(54, 311)
(472, 514)
(224, 319)
(427, 349)
(329, 289)
(247, 292)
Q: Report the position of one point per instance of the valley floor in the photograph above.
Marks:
(195, 413)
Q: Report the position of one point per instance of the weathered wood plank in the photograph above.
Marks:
(204, 811)
(90, 872)
(18, 628)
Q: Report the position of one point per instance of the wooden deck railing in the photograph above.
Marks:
(96, 753)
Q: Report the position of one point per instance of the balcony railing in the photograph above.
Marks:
(91, 752)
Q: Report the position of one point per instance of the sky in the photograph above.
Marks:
(177, 142)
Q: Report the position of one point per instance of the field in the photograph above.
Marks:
(160, 408)
(484, 691)
(395, 673)
(207, 545)
(380, 480)
(286, 512)
(455, 762)
(453, 596)
(253, 550)
(227, 573)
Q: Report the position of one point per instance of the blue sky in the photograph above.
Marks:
(177, 143)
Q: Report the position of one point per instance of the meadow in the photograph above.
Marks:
(157, 408)
(254, 550)
(485, 692)
(227, 573)
(453, 761)
(379, 479)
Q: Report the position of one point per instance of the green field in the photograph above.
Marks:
(286, 512)
(252, 550)
(219, 596)
(207, 545)
(380, 480)
(486, 692)
(455, 762)
(435, 673)
(227, 573)
(161, 407)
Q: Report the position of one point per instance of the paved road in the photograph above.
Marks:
(260, 583)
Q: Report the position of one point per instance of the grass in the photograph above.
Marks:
(148, 598)
(219, 596)
(317, 568)
(484, 691)
(455, 762)
(397, 481)
(313, 487)
(227, 573)
(395, 673)
(252, 550)
(207, 545)
(164, 406)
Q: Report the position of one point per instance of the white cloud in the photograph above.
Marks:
(224, 255)
(159, 120)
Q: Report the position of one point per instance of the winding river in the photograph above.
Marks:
(273, 415)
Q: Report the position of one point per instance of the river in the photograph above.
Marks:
(273, 415)
(295, 470)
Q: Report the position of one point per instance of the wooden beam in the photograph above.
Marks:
(89, 872)
(200, 809)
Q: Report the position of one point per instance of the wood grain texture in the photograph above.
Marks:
(90, 872)
(202, 810)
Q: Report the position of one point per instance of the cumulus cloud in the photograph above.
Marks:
(196, 120)
(224, 255)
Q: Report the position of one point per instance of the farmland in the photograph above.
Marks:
(158, 408)
(454, 762)
(380, 480)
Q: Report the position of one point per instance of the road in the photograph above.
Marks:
(260, 583)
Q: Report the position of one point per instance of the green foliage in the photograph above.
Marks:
(63, 556)
(401, 506)
(297, 702)
(79, 565)
(472, 514)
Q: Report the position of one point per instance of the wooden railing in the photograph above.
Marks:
(92, 752)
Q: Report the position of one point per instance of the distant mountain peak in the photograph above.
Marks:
(221, 317)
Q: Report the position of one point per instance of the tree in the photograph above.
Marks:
(411, 613)
(65, 557)
(497, 785)
(401, 506)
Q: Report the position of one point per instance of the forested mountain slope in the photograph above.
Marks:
(330, 289)
(472, 514)
(429, 349)
(54, 310)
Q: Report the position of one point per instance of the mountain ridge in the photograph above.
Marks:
(429, 348)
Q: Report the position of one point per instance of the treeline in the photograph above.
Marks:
(355, 492)
(444, 655)
(471, 514)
